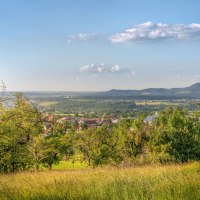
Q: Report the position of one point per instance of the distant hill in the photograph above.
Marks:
(192, 91)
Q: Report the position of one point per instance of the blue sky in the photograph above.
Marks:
(77, 45)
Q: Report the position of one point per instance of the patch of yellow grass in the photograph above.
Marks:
(150, 182)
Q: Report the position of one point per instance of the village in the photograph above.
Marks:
(79, 123)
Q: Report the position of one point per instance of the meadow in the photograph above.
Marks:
(134, 183)
(65, 165)
(156, 103)
(47, 103)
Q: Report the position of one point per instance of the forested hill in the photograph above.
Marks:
(192, 91)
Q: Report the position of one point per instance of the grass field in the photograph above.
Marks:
(63, 166)
(69, 165)
(177, 182)
(155, 103)
(47, 103)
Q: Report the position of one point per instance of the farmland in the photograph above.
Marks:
(47, 103)
(120, 107)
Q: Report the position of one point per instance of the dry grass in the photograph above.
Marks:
(150, 182)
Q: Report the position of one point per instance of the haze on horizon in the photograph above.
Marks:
(99, 45)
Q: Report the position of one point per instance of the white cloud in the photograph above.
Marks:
(82, 37)
(157, 31)
(115, 68)
(147, 31)
(104, 69)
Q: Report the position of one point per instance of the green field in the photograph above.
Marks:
(64, 165)
(47, 103)
(69, 165)
(150, 182)
(155, 103)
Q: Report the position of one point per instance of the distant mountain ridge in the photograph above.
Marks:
(192, 91)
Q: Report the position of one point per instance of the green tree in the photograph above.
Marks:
(141, 133)
(52, 154)
(66, 147)
(18, 125)
(175, 136)
(124, 142)
(86, 143)
(37, 150)
(96, 145)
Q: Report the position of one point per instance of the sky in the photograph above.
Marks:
(87, 45)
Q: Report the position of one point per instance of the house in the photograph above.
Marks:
(149, 119)
(62, 120)
(114, 121)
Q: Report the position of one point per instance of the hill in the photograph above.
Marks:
(192, 91)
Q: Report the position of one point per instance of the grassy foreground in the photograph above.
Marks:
(150, 182)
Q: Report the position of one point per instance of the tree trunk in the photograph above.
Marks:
(89, 162)
(36, 167)
(50, 166)
(66, 157)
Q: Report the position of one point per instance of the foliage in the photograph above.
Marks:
(176, 135)
(37, 150)
(173, 136)
(51, 151)
(18, 126)
(97, 145)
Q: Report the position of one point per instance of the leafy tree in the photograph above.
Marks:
(74, 125)
(141, 133)
(106, 151)
(124, 141)
(66, 148)
(96, 145)
(52, 154)
(18, 125)
(58, 144)
(83, 126)
(86, 142)
(37, 150)
(176, 135)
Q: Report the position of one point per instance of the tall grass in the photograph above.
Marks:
(150, 182)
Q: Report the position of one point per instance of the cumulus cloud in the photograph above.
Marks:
(104, 69)
(82, 37)
(157, 31)
(147, 31)
(115, 68)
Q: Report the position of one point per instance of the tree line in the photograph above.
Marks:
(174, 136)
